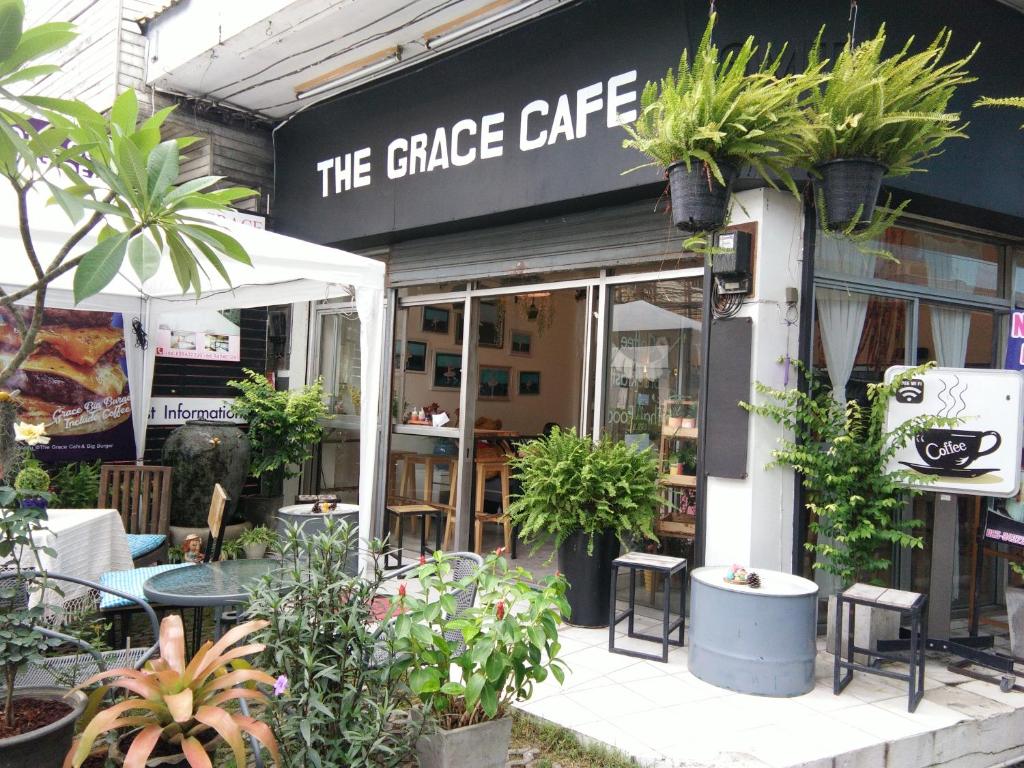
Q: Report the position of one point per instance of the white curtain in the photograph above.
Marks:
(370, 306)
(950, 331)
(841, 313)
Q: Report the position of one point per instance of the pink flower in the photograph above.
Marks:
(423, 559)
(401, 589)
(280, 685)
(500, 610)
(499, 551)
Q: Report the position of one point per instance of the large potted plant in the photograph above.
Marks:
(467, 671)
(173, 712)
(36, 724)
(587, 497)
(716, 115)
(284, 427)
(877, 116)
(342, 695)
(843, 451)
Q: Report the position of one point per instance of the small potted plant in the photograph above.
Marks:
(468, 671)
(173, 713)
(877, 116)
(33, 485)
(675, 464)
(674, 416)
(688, 458)
(255, 541)
(689, 416)
(715, 115)
(587, 497)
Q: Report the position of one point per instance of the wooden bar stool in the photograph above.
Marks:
(485, 467)
(422, 512)
(451, 463)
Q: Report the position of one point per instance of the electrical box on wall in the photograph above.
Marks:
(731, 266)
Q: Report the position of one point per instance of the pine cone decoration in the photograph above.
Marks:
(753, 580)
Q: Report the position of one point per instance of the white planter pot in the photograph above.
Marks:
(254, 551)
(1015, 618)
(484, 745)
(871, 626)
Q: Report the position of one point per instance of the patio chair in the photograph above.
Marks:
(73, 669)
(131, 582)
(143, 497)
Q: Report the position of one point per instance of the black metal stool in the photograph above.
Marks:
(667, 567)
(422, 511)
(905, 603)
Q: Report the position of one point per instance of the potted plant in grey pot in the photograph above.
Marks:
(877, 116)
(36, 724)
(842, 452)
(501, 648)
(256, 540)
(284, 427)
(587, 497)
(716, 115)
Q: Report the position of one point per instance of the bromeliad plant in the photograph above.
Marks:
(570, 484)
(719, 113)
(502, 646)
(178, 708)
(842, 452)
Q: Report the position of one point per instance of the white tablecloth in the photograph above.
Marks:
(87, 542)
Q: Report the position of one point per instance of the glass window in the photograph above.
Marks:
(951, 264)
(336, 464)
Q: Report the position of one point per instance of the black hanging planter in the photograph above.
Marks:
(589, 576)
(846, 185)
(699, 202)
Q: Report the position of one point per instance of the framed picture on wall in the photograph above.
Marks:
(529, 382)
(447, 370)
(492, 324)
(494, 382)
(416, 357)
(521, 343)
(435, 319)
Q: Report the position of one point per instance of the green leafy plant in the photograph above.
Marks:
(891, 109)
(32, 480)
(344, 693)
(258, 535)
(177, 705)
(569, 484)
(501, 646)
(112, 176)
(725, 109)
(231, 550)
(842, 452)
(283, 426)
(1007, 101)
(77, 485)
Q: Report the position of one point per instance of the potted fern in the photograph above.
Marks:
(715, 115)
(877, 116)
(587, 497)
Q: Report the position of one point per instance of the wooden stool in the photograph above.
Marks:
(483, 468)
(906, 603)
(420, 511)
(659, 564)
(452, 464)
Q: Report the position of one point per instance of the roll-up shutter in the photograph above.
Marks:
(604, 237)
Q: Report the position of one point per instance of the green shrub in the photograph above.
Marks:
(77, 485)
(32, 479)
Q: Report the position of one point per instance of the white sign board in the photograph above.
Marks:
(979, 456)
(164, 411)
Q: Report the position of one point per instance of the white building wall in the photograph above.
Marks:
(750, 521)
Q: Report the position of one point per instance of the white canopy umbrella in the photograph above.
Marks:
(284, 270)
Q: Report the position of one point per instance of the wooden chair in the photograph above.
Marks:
(143, 497)
(489, 467)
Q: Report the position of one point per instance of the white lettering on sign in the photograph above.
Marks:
(469, 140)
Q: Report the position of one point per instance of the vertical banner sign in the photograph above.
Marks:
(980, 454)
(76, 383)
(1015, 342)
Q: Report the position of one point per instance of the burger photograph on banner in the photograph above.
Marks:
(75, 382)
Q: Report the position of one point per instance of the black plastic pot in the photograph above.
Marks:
(848, 185)
(45, 747)
(699, 202)
(589, 576)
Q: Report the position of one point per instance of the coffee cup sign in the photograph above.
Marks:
(980, 455)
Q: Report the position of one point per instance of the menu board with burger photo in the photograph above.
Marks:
(75, 381)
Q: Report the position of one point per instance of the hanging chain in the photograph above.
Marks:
(852, 20)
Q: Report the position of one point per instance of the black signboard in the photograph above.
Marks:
(1004, 530)
(528, 118)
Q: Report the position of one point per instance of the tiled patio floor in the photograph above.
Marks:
(664, 716)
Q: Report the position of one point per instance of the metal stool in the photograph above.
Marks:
(420, 511)
(667, 567)
(909, 604)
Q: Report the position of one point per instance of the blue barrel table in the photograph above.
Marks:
(759, 641)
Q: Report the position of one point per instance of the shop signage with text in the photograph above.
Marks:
(165, 411)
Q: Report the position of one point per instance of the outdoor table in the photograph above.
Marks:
(86, 543)
(219, 584)
(759, 641)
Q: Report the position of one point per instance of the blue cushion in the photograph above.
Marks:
(141, 544)
(129, 582)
